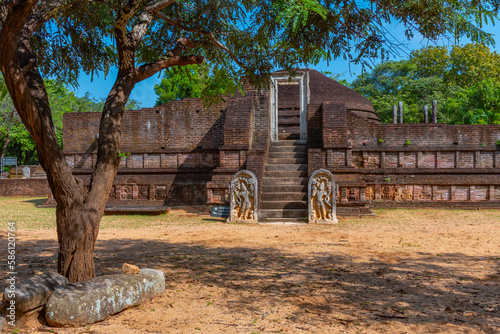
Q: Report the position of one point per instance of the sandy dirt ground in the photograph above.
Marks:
(403, 271)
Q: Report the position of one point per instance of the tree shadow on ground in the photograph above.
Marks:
(36, 201)
(324, 287)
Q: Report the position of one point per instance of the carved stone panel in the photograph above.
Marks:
(126, 192)
(322, 197)
(144, 192)
(243, 197)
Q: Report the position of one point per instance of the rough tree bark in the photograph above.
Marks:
(79, 207)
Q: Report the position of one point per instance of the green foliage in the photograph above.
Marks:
(198, 81)
(296, 12)
(408, 142)
(62, 100)
(3, 89)
(394, 81)
(479, 104)
(467, 89)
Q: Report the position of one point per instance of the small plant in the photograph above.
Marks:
(388, 179)
(380, 141)
(483, 145)
(498, 142)
(123, 154)
(407, 142)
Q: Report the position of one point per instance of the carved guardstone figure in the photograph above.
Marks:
(26, 172)
(243, 201)
(322, 198)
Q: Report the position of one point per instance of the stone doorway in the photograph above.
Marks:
(289, 100)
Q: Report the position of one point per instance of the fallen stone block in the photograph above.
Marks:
(33, 292)
(93, 300)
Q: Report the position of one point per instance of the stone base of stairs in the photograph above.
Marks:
(341, 212)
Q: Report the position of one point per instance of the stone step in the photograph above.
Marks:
(287, 149)
(283, 196)
(289, 143)
(287, 155)
(285, 112)
(286, 161)
(283, 181)
(270, 187)
(286, 167)
(289, 128)
(289, 120)
(283, 205)
(287, 135)
(286, 213)
(285, 174)
(284, 221)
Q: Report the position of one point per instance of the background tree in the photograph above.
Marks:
(15, 139)
(245, 38)
(462, 80)
(198, 80)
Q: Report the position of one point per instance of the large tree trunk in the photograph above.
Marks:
(79, 208)
(77, 229)
(78, 220)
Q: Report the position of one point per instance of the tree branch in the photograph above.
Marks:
(4, 10)
(121, 21)
(41, 15)
(147, 70)
(207, 34)
(142, 23)
(157, 5)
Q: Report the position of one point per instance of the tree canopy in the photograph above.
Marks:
(464, 81)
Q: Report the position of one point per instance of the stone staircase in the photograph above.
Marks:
(284, 187)
(289, 123)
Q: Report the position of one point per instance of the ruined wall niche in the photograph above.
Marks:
(322, 198)
(243, 201)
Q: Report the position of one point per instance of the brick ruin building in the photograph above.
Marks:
(182, 153)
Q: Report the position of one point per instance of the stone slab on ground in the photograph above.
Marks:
(136, 210)
(34, 291)
(93, 300)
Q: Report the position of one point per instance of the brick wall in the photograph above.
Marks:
(24, 187)
(178, 125)
(409, 163)
(334, 124)
(179, 153)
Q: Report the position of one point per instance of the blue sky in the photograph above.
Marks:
(145, 95)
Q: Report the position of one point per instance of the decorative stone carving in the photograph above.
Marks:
(26, 172)
(243, 197)
(322, 198)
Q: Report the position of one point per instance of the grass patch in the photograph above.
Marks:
(24, 211)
